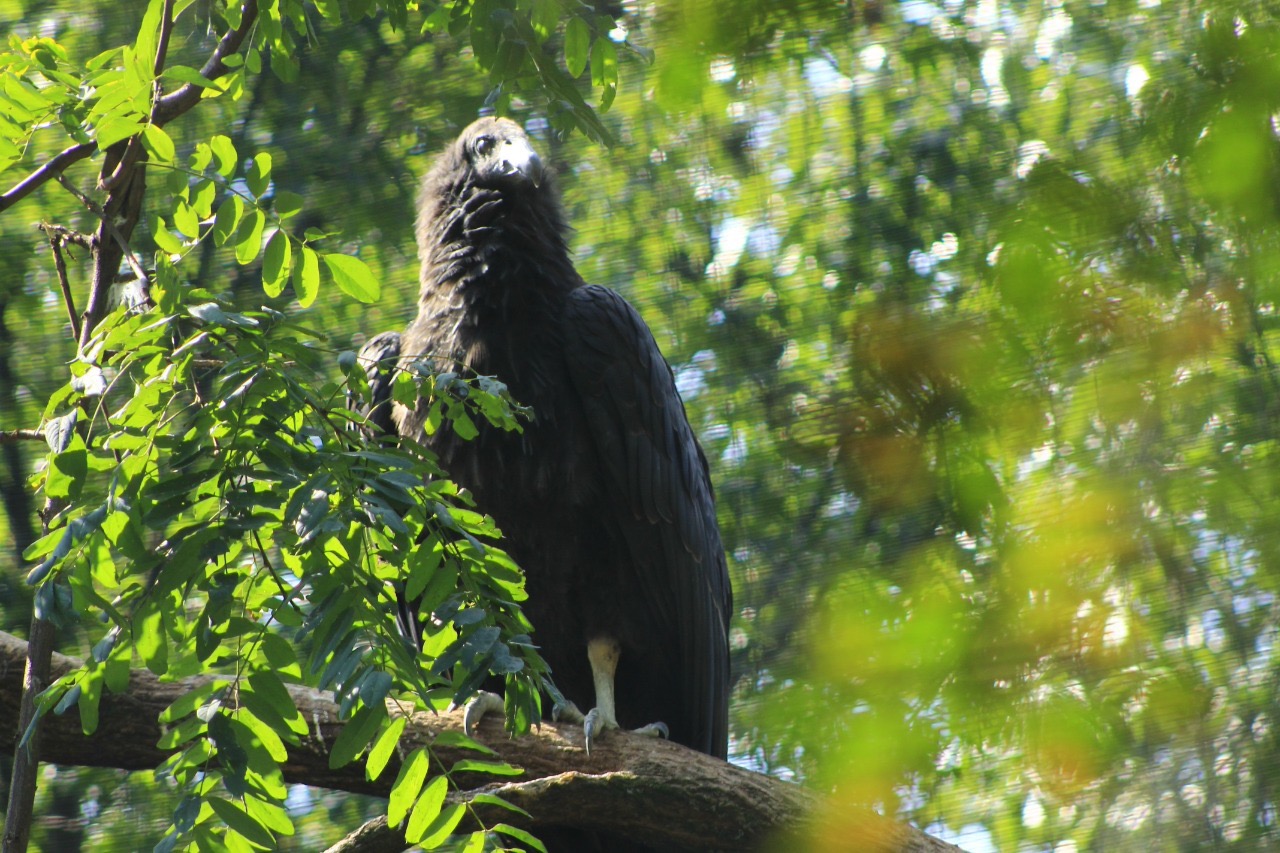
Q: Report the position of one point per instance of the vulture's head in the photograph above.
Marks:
(495, 152)
(488, 189)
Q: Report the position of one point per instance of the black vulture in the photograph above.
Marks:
(605, 499)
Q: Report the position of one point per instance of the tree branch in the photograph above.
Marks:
(13, 436)
(186, 96)
(649, 790)
(59, 236)
(52, 168)
(36, 676)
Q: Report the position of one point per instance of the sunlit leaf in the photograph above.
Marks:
(353, 276)
(404, 791)
(577, 42)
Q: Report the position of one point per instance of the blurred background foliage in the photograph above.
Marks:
(972, 305)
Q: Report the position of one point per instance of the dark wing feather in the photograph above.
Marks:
(663, 503)
(378, 357)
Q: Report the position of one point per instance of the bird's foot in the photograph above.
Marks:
(482, 703)
(565, 711)
(654, 730)
(596, 722)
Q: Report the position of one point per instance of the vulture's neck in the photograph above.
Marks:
(486, 246)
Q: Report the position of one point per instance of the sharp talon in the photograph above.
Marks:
(655, 730)
(591, 726)
(483, 703)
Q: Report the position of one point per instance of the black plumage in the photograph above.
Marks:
(604, 499)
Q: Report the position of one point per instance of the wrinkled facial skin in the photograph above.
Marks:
(500, 153)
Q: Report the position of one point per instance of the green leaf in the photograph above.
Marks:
(188, 702)
(330, 10)
(356, 735)
(460, 741)
(520, 835)
(577, 40)
(248, 237)
(306, 277)
(442, 827)
(158, 144)
(67, 470)
(267, 687)
(437, 21)
(404, 791)
(383, 748)
(203, 195)
(277, 263)
(186, 220)
(267, 738)
(201, 157)
(354, 277)
(486, 799)
(242, 822)
(149, 638)
(462, 424)
(225, 153)
(148, 41)
(604, 63)
(496, 768)
(165, 241)
(485, 32)
(91, 692)
(261, 709)
(259, 177)
(116, 128)
(227, 219)
(287, 204)
(604, 71)
(545, 16)
(427, 809)
(185, 74)
(270, 815)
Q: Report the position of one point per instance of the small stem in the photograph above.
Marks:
(16, 435)
(60, 266)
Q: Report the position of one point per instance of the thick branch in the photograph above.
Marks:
(186, 96)
(649, 790)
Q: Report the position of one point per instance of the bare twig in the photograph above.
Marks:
(56, 241)
(13, 436)
(162, 44)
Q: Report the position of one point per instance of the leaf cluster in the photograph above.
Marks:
(217, 507)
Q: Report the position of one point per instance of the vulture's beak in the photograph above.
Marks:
(519, 158)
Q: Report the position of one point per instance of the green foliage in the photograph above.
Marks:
(220, 507)
(230, 519)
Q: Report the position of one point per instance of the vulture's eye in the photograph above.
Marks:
(484, 144)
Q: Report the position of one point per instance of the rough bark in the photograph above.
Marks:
(649, 790)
